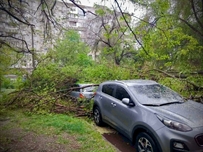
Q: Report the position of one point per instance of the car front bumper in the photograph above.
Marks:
(176, 141)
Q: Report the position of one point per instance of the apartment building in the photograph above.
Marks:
(47, 26)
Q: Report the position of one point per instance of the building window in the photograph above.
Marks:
(72, 15)
(71, 23)
(73, 9)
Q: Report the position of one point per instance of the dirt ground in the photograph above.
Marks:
(18, 140)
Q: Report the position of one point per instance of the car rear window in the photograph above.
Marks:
(89, 89)
(76, 87)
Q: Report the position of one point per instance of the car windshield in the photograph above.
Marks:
(155, 94)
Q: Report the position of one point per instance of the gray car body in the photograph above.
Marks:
(131, 119)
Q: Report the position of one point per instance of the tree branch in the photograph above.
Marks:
(15, 17)
(6, 36)
(192, 27)
(53, 7)
(84, 12)
(172, 76)
(196, 17)
(135, 36)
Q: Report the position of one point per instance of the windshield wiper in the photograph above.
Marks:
(155, 105)
(175, 102)
(163, 104)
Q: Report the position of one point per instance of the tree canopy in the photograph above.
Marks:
(164, 43)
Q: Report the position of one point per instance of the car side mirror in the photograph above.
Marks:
(127, 101)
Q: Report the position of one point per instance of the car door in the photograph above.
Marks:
(123, 115)
(106, 98)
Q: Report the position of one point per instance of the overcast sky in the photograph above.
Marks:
(91, 2)
(87, 2)
(126, 7)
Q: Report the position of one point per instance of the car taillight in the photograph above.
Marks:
(81, 95)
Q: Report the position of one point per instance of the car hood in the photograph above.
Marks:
(188, 112)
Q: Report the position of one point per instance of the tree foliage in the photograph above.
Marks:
(113, 38)
(165, 45)
(71, 50)
(8, 57)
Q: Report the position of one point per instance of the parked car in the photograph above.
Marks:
(83, 91)
(154, 117)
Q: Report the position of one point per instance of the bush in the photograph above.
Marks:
(8, 84)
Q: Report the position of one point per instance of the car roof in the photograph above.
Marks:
(133, 82)
(85, 84)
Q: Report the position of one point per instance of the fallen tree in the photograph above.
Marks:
(59, 101)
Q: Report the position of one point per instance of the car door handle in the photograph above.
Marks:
(113, 104)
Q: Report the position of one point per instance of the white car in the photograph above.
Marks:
(83, 91)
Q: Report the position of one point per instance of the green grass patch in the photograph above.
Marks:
(82, 130)
(56, 122)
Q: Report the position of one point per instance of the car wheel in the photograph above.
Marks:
(144, 143)
(97, 116)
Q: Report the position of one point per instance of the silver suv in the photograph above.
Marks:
(152, 116)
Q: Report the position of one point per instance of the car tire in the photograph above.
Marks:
(97, 116)
(144, 143)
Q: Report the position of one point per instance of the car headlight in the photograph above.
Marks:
(174, 124)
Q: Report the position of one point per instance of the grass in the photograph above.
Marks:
(4, 92)
(7, 91)
(82, 130)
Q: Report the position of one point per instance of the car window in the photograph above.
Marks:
(155, 94)
(108, 89)
(121, 93)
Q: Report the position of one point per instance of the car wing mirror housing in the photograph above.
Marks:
(128, 102)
